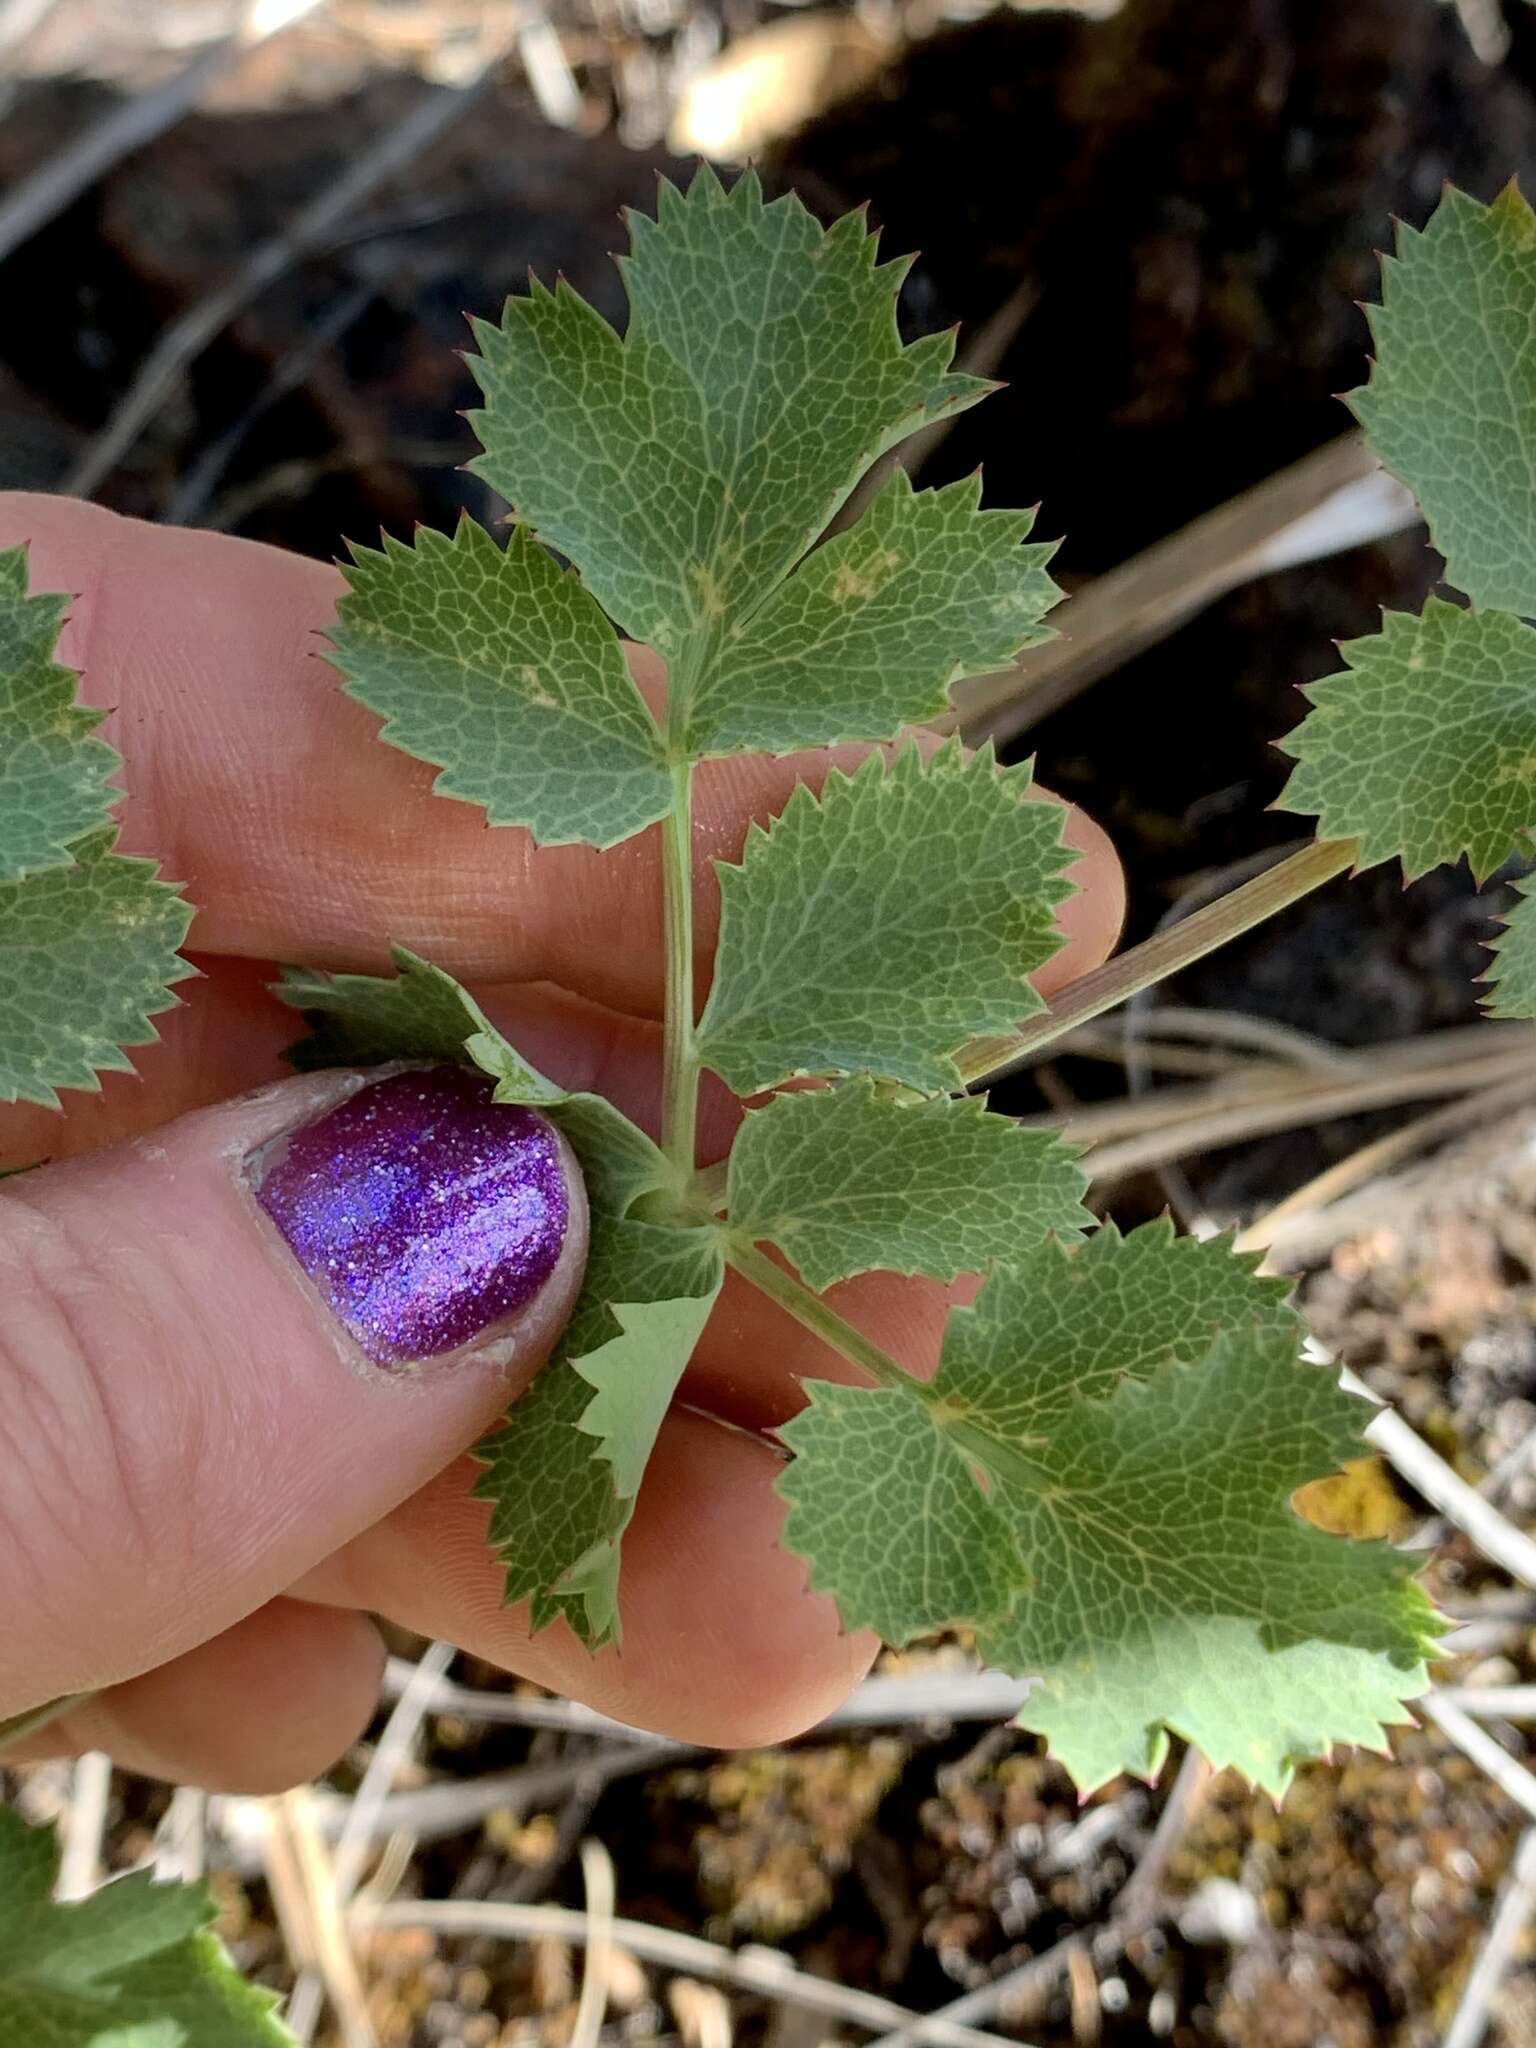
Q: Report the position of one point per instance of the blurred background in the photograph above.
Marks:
(237, 246)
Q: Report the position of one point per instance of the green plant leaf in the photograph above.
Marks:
(89, 951)
(419, 1012)
(132, 1966)
(1061, 1325)
(563, 1469)
(885, 1508)
(1141, 1467)
(1175, 1588)
(498, 667)
(850, 1179)
(53, 774)
(362, 1020)
(873, 628)
(1426, 747)
(915, 900)
(1512, 977)
(1451, 404)
(685, 468)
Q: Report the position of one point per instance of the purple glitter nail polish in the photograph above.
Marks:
(422, 1210)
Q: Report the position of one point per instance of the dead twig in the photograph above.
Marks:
(186, 338)
(432, 1811)
(597, 1878)
(60, 181)
(883, 1701)
(1336, 498)
(1404, 1449)
(1511, 1917)
(765, 1973)
(84, 1824)
(360, 1826)
(1507, 1772)
(304, 1892)
(1284, 1108)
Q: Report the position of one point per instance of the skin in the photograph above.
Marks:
(204, 1492)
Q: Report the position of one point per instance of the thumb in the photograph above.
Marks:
(226, 1351)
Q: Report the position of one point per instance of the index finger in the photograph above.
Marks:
(299, 836)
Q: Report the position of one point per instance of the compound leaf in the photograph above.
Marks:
(915, 899)
(1451, 404)
(851, 1179)
(132, 1966)
(1157, 1575)
(873, 628)
(53, 774)
(685, 468)
(1512, 977)
(89, 952)
(500, 668)
(1175, 1588)
(1426, 747)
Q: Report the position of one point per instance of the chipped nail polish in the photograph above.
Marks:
(423, 1211)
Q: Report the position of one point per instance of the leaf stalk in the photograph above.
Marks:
(821, 1319)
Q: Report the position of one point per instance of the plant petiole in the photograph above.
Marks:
(821, 1319)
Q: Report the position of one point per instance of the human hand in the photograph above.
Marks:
(205, 1486)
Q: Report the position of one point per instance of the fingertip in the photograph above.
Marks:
(269, 1703)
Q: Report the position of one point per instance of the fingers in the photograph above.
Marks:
(271, 1702)
(300, 836)
(210, 1352)
(723, 1644)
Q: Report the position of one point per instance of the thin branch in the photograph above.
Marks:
(1370, 1162)
(395, 1744)
(1407, 1452)
(431, 1812)
(85, 1821)
(1333, 499)
(326, 1948)
(1492, 1702)
(885, 1701)
(1303, 1102)
(986, 1060)
(1511, 1917)
(198, 483)
(360, 1826)
(181, 1841)
(1254, 1034)
(765, 1973)
(1507, 1772)
(591, 2007)
(132, 124)
(186, 338)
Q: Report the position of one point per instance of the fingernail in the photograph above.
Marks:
(422, 1210)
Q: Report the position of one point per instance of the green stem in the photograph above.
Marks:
(36, 1718)
(820, 1318)
(986, 1060)
(680, 1078)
